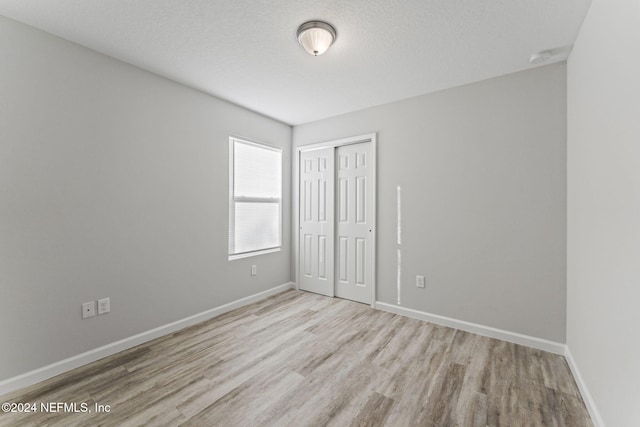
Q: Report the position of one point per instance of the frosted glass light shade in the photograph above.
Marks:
(316, 37)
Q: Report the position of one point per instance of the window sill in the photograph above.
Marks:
(250, 254)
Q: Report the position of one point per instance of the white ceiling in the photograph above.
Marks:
(246, 51)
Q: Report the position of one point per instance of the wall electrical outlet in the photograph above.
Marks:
(104, 305)
(420, 281)
(254, 270)
(88, 309)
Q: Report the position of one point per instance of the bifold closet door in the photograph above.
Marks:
(317, 183)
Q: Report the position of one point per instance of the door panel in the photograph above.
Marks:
(354, 260)
(317, 221)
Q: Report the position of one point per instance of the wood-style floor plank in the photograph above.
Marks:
(299, 359)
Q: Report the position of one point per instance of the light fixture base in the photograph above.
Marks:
(316, 36)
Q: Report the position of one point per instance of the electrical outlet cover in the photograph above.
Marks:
(420, 281)
(104, 305)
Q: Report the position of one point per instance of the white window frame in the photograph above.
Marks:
(233, 199)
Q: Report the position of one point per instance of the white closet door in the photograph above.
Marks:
(354, 222)
(317, 182)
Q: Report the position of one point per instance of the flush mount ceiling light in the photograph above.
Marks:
(316, 37)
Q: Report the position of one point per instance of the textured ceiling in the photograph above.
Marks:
(246, 51)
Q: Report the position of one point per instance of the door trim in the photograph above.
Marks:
(370, 138)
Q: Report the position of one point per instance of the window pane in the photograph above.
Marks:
(257, 226)
(257, 171)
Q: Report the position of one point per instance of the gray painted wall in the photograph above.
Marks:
(483, 175)
(604, 208)
(113, 182)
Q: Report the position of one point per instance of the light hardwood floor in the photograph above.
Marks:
(299, 359)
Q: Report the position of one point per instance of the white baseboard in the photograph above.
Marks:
(586, 396)
(29, 378)
(487, 331)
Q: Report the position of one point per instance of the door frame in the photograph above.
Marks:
(366, 138)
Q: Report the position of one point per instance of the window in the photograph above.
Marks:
(255, 193)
